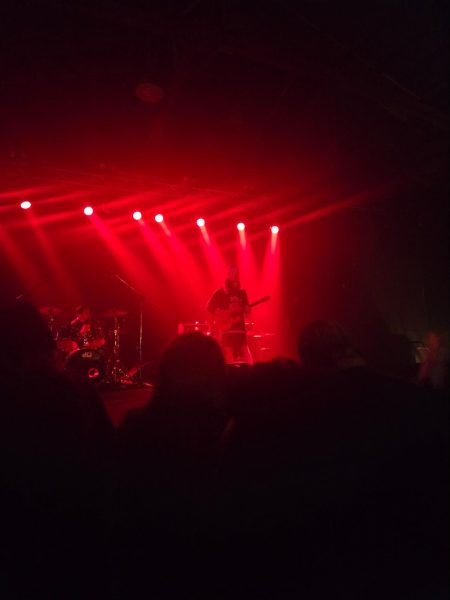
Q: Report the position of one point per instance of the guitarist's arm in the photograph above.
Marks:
(214, 302)
(214, 307)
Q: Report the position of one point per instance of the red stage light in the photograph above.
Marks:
(25, 204)
(137, 215)
(241, 226)
(88, 211)
(201, 222)
(159, 218)
(274, 229)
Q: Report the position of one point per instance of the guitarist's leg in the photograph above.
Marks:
(228, 355)
(241, 350)
(245, 354)
(235, 347)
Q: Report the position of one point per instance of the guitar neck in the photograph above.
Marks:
(260, 301)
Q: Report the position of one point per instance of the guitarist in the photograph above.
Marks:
(229, 306)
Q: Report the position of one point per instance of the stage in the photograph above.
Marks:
(119, 402)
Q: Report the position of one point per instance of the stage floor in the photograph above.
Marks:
(119, 403)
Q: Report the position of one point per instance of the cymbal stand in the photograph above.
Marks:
(117, 369)
(27, 293)
(141, 330)
(51, 325)
(141, 323)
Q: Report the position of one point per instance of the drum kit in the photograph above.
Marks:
(91, 350)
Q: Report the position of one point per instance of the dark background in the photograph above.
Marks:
(328, 118)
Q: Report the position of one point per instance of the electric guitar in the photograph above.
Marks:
(224, 319)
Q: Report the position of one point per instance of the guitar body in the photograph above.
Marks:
(233, 317)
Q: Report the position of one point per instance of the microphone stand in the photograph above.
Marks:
(30, 290)
(141, 322)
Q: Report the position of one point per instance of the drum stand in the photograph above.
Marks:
(141, 326)
(116, 371)
(52, 326)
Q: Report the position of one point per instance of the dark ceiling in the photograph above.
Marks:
(356, 85)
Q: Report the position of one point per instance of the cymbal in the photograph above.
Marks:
(50, 311)
(113, 313)
(264, 335)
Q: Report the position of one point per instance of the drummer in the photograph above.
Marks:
(85, 330)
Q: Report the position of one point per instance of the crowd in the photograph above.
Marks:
(309, 479)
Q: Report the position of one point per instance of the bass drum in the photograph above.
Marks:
(87, 364)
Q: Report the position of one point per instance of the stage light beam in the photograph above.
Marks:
(26, 204)
(201, 222)
(242, 237)
(88, 211)
(274, 229)
(137, 215)
(159, 218)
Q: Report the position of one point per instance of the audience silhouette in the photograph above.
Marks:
(53, 438)
(284, 479)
